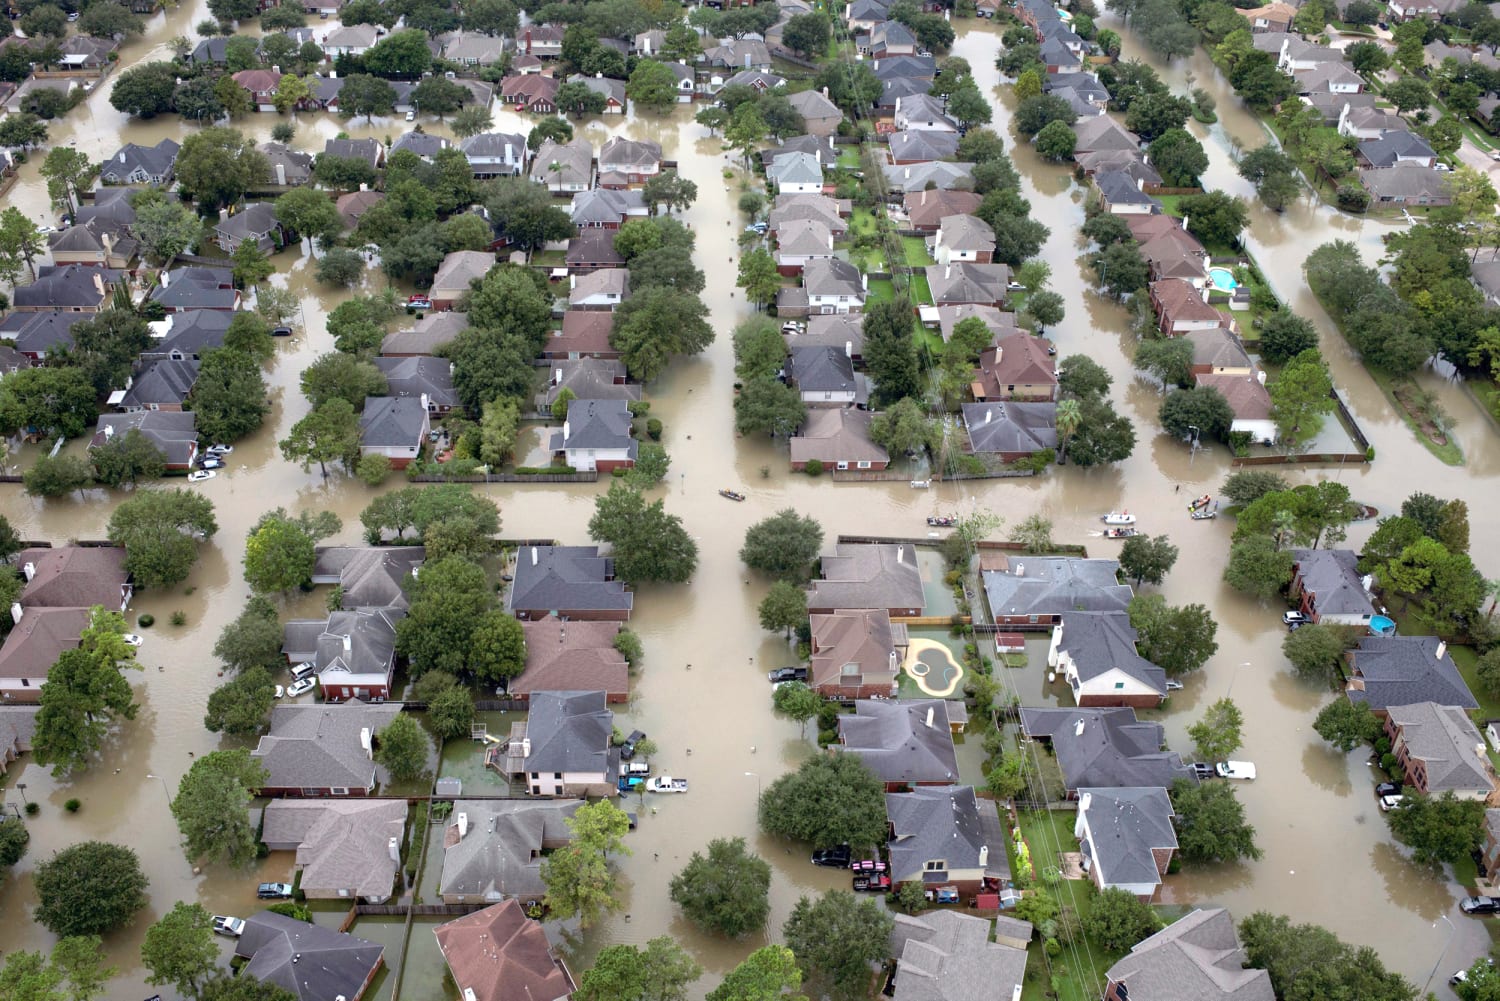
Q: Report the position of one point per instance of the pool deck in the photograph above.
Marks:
(919, 671)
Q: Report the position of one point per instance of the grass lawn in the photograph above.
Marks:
(1048, 832)
(861, 221)
(849, 157)
(882, 291)
(921, 293)
(1467, 662)
(1449, 453)
(916, 252)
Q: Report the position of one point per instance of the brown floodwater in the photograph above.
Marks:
(702, 694)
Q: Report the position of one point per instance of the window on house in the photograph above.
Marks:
(935, 865)
(557, 775)
(1119, 685)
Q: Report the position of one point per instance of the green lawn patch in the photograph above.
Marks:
(861, 221)
(1467, 662)
(921, 293)
(882, 291)
(1449, 452)
(848, 157)
(916, 252)
(1048, 832)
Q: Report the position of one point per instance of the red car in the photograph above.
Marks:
(873, 883)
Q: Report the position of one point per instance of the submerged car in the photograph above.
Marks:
(131, 639)
(1294, 619)
(787, 674)
(199, 475)
(1236, 770)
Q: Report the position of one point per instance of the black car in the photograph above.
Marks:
(834, 858)
(1480, 905)
(627, 749)
(1203, 769)
(1388, 789)
(787, 674)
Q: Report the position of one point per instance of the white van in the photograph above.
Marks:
(306, 669)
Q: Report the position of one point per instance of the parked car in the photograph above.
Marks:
(1236, 770)
(1294, 619)
(300, 687)
(872, 883)
(233, 927)
(281, 332)
(637, 768)
(220, 450)
(666, 783)
(411, 116)
(132, 639)
(1387, 789)
(419, 302)
(1203, 769)
(303, 670)
(210, 462)
(274, 891)
(1480, 905)
(1389, 803)
(199, 475)
(279, 693)
(787, 674)
(1173, 685)
(627, 749)
(833, 858)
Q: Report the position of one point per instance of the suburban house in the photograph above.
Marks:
(369, 151)
(71, 288)
(796, 174)
(1105, 748)
(587, 379)
(920, 146)
(322, 750)
(1095, 653)
(73, 577)
(939, 175)
(1010, 430)
(831, 286)
(615, 103)
(1017, 367)
(1275, 16)
(1249, 401)
(963, 238)
(905, 744)
(948, 956)
(99, 242)
(1121, 193)
(571, 582)
(596, 436)
(869, 575)
(395, 427)
(1104, 133)
(261, 85)
(977, 284)
(1395, 147)
(820, 115)
(1000, 323)
(500, 954)
(368, 576)
(592, 249)
(606, 208)
(313, 962)
(1182, 307)
(1441, 750)
(1218, 352)
(825, 377)
(492, 849)
(577, 655)
(563, 746)
(856, 653)
(799, 241)
(840, 330)
(1370, 122)
(257, 224)
(1197, 957)
(942, 839)
(495, 154)
(286, 167)
(1327, 586)
(196, 287)
(541, 40)
(787, 209)
(473, 49)
(923, 113)
(925, 210)
(584, 334)
(428, 336)
(17, 728)
(354, 651)
(350, 40)
(1406, 184)
(422, 378)
(633, 160)
(353, 206)
(598, 290)
(563, 167)
(161, 385)
(1036, 590)
(173, 433)
(1127, 837)
(457, 274)
(37, 639)
(346, 849)
(136, 164)
(839, 438)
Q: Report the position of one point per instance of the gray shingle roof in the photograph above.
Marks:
(1196, 958)
(319, 746)
(901, 741)
(1402, 670)
(1100, 642)
(420, 374)
(1392, 146)
(256, 221)
(1119, 188)
(941, 174)
(598, 424)
(423, 144)
(1106, 748)
(1040, 585)
(500, 852)
(173, 432)
(590, 379)
(619, 153)
(868, 575)
(193, 331)
(822, 369)
(1332, 576)
(922, 145)
(564, 579)
(795, 168)
(392, 421)
(313, 962)
(152, 161)
(368, 150)
(1448, 744)
(570, 732)
(943, 822)
(340, 844)
(371, 576)
(963, 282)
(41, 332)
(357, 643)
(1007, 426)
(167, 381)
(1124, 825)
(431, 334)
(67, 286)
(832, 277)
(947, 956)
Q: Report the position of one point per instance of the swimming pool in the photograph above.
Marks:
(1223, 279)
(1066, 16)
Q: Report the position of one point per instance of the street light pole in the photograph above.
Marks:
(1449, 941)
(21, 788)
(163, 782)
(757, 786)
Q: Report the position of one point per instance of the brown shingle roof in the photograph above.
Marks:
(1017, 360)
(852, 636)
(572, 656)
(1180, 302)
(1247, 397)
(501, 955)
(41, 636)
(74, 577)
(583, 331)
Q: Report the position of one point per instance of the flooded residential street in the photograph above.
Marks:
(702, 695)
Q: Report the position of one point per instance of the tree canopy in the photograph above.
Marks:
(89, 888)
(727, 890)
(829, 800)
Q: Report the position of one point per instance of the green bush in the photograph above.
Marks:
(814, 467)
(179, 618)
(145, 620)
(72, 805)
(618, 472)
(1352, 198)
(653, 429)
(32, 809)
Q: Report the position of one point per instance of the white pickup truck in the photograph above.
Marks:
(1236, 770)
(666, 783)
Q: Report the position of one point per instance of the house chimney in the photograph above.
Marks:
(900, 553)
(1260, 376)
(348, 644)
(393, 848)
(1084, 801)
(984, 856)
(930, 711)
(166, 280)
(364, 742)
(363, 186)
(463, 825)
(848, 349)
(533, 555)
(1020, 570)
(281, 174)
(557, 377)
(947, 272)
(1442, 649)
(1078, 727)
(224, 213)
(525, 747)
(426, 401)
(16, 612)
(99, 283)
(988, 414)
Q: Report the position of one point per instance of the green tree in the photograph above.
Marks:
(1169, 359)
(1147, 558)
(1301, 396)
(1035, 534)
(890, 352)
(160, 530)
(783, 545)
(1248, 485)
(1217, 734)
(765, 975)
(400, 55)
(67, 172)
(904, 428)
(1216, 218)
(84, 694)
(48, 401)
(759, 351)
(1210, 822)
(796, 701)
(1284, 335)
(89, 888)
(758, 276)
(251, 265)
(253, 639)
(727, 891)
(244, 987)
(649, 544)
(216, 166)
(829, 800)
(661, 971)
(330, 432)
(783, 607)
(655, 324)
(145, 90)
(164, 228)
(77, 961)
(807, 34)
(451, 713)
(1118, 919)
(1346, 724)
(1102, 435)
(838, 937)
(1258, 567)
(212, 807)
(340, 266)
(309, 212)
(179, 949)
(499, 646)
(652, 85)
(13, 840)
(340, 376)
(55, 476)
(437, 95)
(401, 748)
(1273, 172)
(447, 603)
(1197, 413)
(1439, 829)
(1306, 962)
(768, 406)
(1179, 158)
(1056, 141)
(1316, 651)
(577, 876)
(241, 705)
(278, 554)
(1177, 639)
(127, 458)
(471, 121)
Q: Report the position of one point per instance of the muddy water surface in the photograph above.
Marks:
(702, 695)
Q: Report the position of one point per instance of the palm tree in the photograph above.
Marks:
(1283, 521)
(1069, 417)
